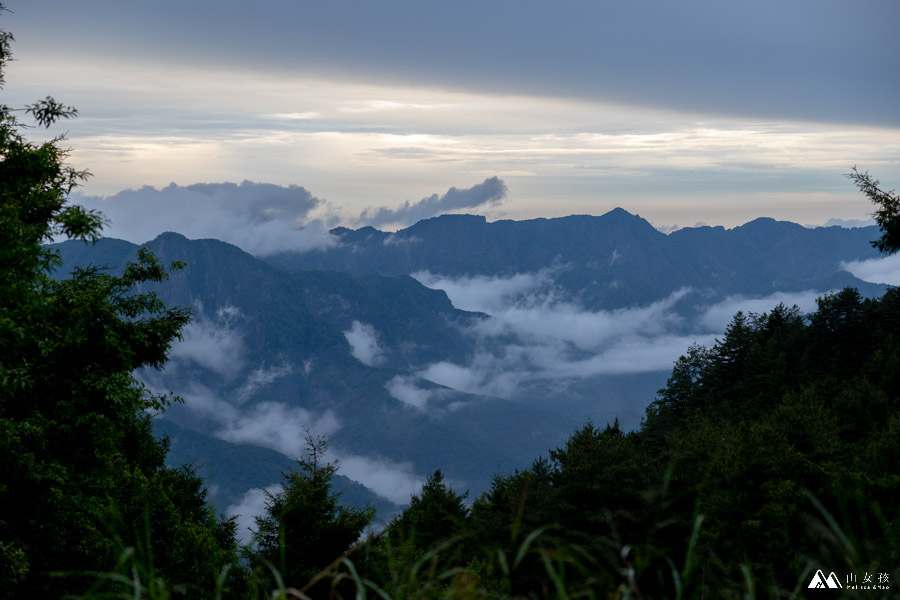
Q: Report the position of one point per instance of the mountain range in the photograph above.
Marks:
(455, 344)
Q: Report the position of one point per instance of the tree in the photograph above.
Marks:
(78, 458)
(887, 215)
(434, 515)
(305, 528)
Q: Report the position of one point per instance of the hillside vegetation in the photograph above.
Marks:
(767, 457)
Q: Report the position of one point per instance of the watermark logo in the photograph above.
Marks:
(820, 581)
(871, 581)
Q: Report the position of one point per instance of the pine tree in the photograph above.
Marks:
(887, 213)
(305, 527)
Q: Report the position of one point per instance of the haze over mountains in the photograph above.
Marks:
(457, 344)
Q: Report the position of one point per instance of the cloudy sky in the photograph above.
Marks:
(684, 112)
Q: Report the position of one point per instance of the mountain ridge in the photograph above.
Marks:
(345, 341)
(615, 247)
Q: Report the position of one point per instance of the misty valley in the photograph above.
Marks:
(455, 344)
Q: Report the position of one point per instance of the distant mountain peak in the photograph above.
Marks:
(457, 218)
(620, 212)
(169, 235)
(769, 224)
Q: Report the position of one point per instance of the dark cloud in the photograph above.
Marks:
(487, 193)
(805, 59)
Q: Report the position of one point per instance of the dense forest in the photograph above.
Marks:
(767, 457)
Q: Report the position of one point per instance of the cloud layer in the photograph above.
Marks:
(877, 270)
(763, 58)
(537, 336)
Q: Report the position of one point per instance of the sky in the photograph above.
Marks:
(696, 111)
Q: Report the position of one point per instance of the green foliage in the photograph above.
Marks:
(768, 456)
(81, 476)
(887, 215)
(434, 515)
(305, 527)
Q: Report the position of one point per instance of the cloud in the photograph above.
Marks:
(488, 374)
(632, 355)
(488, 193)
(847, 223)
(531, 307)
(260, 218)
(216, 343)
(536, 334)
(490, 294)
(395, 481)
(433, 400)
(212, 341)
(716, 318)
(363, 342)
(263, 377)
(393, 240)
(251, 505)
(564, 322)
(667, 229)
(278, 426)
(877, 270)
(761, 58)
(283, 428)
(405, 390)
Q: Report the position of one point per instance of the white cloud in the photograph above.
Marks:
(631, 355)
(847, 223)
(251, 505)
(216, 343)
(405, 390)
(536, 336)
(259, 218)
(587, 330)
(393, 240)
(283, 428)
(877, 270)
(278, 426)
(395, 481)
(546, 338)
(490, 294)
(486, 374)
(213, 342)
(363, 342)
(263, 377)
(203, 401)
(717, 317)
